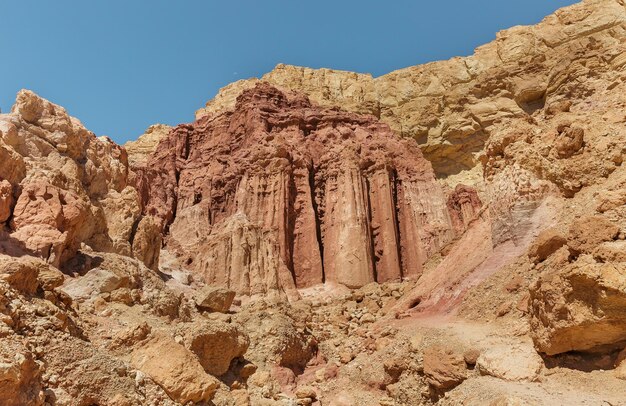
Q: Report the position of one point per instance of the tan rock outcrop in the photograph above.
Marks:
(69, 187)
(140, 150)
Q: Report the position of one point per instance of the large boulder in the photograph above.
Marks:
(546, 244)
(216, 344)
(581, 307)
(175, 369)
(50, 221)
(516, 362)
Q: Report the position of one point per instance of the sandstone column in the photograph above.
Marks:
(347, 239)
(307, 264)
(383, 211)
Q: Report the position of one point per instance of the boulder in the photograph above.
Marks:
(21, 273)
(175, 369)
(580, 307)
(546, 244)
(214, 299)
(50, 222)
(93, 283)
(216, 344)
(444, 367)
(516, 362)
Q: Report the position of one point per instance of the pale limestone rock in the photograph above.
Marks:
(140, 150)
(579, 307)
(510, 362)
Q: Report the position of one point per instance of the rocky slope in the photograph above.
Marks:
(452, 233)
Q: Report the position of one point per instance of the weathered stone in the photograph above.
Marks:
(444, 367)
(546, 244)
(175, 369)
(588, 232)
(214, 299)
(581, 307)
(511, 363)
(21, 273)
(140, 150)
(216, 344)
(146, 243)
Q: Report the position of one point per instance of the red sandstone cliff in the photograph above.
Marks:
(320, 194)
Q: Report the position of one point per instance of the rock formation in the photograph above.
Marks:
(309, 194)
(294, 245)
(62, 186)
(140, 150)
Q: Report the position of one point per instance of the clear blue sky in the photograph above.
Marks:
(121, 65)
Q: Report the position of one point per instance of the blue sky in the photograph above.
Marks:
(122, 65)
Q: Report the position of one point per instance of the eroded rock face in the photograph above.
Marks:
(61, 186)
(140, 150)
(328, 195)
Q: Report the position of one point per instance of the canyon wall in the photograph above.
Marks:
(332, 196)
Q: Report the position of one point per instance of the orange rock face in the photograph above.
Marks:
(339, 195)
